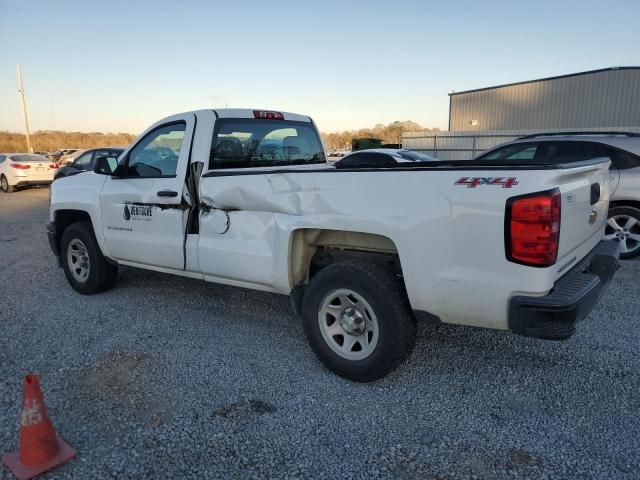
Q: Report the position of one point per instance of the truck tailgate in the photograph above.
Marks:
(585, 200)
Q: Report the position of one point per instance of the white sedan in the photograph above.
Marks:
(24, 170)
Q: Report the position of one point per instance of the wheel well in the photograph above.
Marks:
(313, 249)
(625, 203)
(64, 218)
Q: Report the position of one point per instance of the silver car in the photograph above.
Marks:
(624, 151)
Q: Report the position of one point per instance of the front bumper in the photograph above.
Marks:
(555, 315)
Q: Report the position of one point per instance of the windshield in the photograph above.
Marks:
(415, 156)
(242, 143)
(28, 157)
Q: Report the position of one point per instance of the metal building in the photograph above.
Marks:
(609, 97)
(597, 100)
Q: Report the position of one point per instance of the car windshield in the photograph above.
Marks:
(28, 157)
(415, 156)
(76, 154)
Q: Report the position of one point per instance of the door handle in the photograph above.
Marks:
(167, 193)
(595, 193)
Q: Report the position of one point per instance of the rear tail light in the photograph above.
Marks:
(20, 166)
(53, 165)
(532, 228)
(267, 115)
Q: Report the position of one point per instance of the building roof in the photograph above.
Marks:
(589, 72)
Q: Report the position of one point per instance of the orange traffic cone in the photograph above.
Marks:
(40, 448)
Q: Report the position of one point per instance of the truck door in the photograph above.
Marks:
(143, 211)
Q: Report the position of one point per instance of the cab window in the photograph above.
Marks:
(156, 155)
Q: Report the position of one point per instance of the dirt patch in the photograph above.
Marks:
(517, 456)
(119, 386)
(116, 375)
(244, 408)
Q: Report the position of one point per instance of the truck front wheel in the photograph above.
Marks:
(358, 321)
(85, 267)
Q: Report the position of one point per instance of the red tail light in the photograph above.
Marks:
(268, 115)
(53, 165)
(20, 166)
(532, 228)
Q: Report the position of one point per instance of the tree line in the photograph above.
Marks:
(391, 133)
(49, 141)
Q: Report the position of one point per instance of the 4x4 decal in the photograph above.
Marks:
(473, 182)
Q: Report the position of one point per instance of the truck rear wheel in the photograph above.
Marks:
(358, 321)
(85, 267)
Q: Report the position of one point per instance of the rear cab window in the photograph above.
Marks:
(250, 143)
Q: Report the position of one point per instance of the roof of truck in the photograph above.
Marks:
(249, 113)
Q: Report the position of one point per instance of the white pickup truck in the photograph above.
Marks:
(247, 198)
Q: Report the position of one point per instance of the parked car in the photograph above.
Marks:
(622, 148)
(379, 157)
(84, 160)
(68, 158)
(358, 246)
(61, 152)
(19, 170)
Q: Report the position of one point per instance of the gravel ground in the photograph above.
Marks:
(164, 377)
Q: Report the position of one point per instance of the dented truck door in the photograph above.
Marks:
(142, 204)
(256, 185)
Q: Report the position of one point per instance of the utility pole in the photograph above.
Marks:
(24, 109)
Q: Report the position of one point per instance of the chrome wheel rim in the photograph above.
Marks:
(4, 184)
(348, 324)
(626, 230)
(78, 260)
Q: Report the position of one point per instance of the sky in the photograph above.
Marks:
(118, 66)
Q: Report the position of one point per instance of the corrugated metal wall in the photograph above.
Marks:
(606, 98)
(466, 145)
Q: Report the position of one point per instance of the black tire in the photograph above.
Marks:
(101, 274)
(4, 185)
(634, 246)
(386, 296)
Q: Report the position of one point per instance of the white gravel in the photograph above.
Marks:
(164, 377)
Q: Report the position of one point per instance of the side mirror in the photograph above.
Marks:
(105, 165)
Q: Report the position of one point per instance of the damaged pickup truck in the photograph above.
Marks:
(364, 247)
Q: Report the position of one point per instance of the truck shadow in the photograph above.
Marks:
(439, 347)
